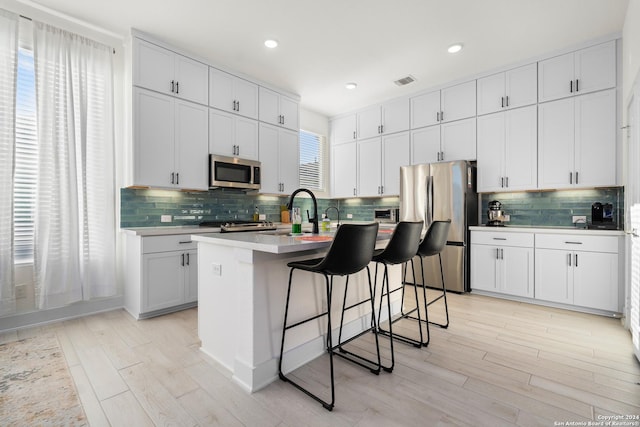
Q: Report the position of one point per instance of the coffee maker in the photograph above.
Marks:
(495, 214)
(602, 216)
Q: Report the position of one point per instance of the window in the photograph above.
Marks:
(26, 159)
(312, 161)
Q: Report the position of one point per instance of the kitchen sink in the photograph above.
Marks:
(283, 233)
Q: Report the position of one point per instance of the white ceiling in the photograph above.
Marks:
(326, 43)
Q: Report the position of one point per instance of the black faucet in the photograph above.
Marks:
(326, 212)
(313, 220)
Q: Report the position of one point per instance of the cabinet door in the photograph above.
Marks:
(517, 271)
(191, 277)
(289, 160)
(221, 90)
(245, 94)
(344, 160)
(425, 109)
(491, 93)
(484, 268)
(246, 137)
(268, 149)
(395, 150)
(153, 133)
(521, 86)
(369, 122)
(521, 148)
(289, 112)
(425, 145)
(269, 107)
(491, 152)
(554, 276)
(596, 280)
(192, 80)
(595, 67)
(555, 78)
(595, 146)
(343, 129)
(556, 144)
(458, 102)
(369, 167)
(458, 140)
(191, 145)
(153, 66)
(395, 116)
(163, 280)
(222, 138)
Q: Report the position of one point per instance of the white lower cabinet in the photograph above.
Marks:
(578, 270)
(502, 263)
(581, 271)
(162, 275)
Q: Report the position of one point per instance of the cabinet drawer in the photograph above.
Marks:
(179, 242)
(573, 242)
(502, 238)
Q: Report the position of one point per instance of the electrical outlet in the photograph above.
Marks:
(349, 216)
(579, 219)
(262, 217)
(506, 218)
(217, 269)
(165, 218)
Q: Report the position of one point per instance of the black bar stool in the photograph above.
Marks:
(401, 249)
(350, 252)
(433, 244)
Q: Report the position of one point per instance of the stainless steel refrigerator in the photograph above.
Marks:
(442, 191)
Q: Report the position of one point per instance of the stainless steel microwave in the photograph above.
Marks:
(232, 172)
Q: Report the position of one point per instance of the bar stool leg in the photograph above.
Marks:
(443, 296)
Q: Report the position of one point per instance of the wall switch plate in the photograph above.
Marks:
(506, 218)
(262, 217)
(217, 269)
(349, 216)
(579, 219)
(165, 218)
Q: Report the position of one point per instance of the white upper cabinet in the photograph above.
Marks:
(344, 129)
(390, 117)
(395, 154)
(577, 141)
(507, 148)
(232, 135)
(232, 94)
(344, 158)
(511, 89)
(279, 157)
(443, 143)
(167, 72)
(586, 70)
(446, 105)
(278, 110)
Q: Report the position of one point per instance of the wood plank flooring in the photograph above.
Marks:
(499, 363)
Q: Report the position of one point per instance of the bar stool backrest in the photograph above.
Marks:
(404, 242)
(351, 249)
(435, 239)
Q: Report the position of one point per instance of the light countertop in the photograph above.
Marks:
(546, 230)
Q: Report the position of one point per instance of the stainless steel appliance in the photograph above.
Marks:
(495, 214)
(235, 225)
(386, 215)
(233, 172)
(441, 191)
(602, 217)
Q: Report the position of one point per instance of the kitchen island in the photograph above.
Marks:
(242, 284)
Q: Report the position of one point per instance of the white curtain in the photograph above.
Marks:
(74, 255)
(8, 66)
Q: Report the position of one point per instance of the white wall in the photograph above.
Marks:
(314, 122)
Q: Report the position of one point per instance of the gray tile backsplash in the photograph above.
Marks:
(143, 207)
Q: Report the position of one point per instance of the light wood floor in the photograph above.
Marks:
(499, 363)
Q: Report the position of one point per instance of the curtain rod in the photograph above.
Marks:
(30, 19)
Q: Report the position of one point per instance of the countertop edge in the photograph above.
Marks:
(544, 230)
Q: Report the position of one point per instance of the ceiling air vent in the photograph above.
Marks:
(405, 80)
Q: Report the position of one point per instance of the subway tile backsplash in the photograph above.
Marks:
(144, 207)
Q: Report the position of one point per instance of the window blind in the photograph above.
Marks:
(312, 160)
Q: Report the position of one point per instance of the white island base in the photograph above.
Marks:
(242, 285)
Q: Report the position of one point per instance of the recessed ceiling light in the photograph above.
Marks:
(271, 43)
(351, 85)
(455, 48)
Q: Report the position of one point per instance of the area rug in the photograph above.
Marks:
(36, 387)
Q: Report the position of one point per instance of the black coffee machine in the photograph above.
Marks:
(602, 216)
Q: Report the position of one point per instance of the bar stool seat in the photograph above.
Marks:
(350, 252)
(433, 244)
(401, 249)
